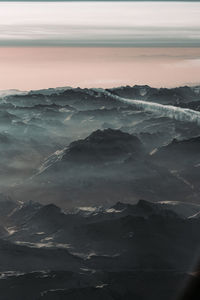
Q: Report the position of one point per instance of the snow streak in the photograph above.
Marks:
(172, 112)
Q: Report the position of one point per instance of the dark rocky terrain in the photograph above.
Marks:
(98, 252)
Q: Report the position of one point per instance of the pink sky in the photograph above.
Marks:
(28, 68)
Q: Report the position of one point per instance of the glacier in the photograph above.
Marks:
(172, 112)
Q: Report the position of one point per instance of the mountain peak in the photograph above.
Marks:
(147, 205)
(49, 209)
(104, 145)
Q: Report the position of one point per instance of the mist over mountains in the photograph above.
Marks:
(99, 192)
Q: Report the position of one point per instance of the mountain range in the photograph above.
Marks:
(99, 193)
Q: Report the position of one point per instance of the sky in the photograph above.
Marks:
(47, 44)
(99, 0)
(118, 24)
